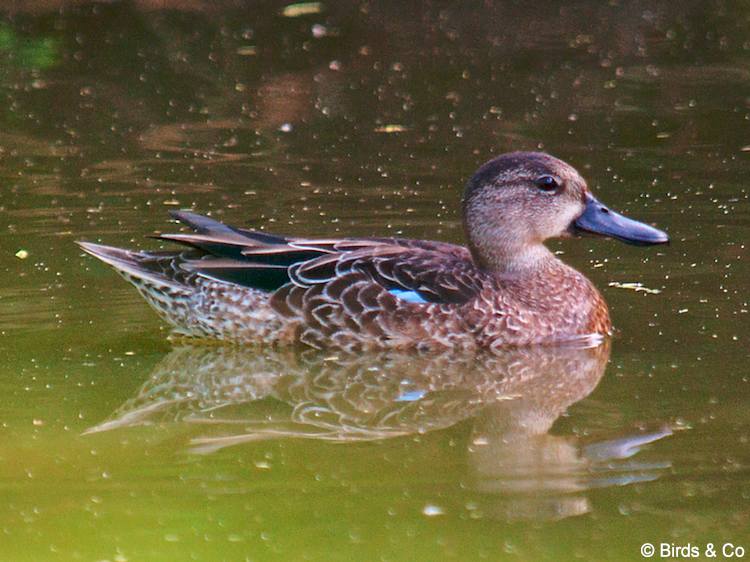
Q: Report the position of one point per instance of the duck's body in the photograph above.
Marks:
(505, 289)
(360, 293)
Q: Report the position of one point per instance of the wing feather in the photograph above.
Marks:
(435, 271)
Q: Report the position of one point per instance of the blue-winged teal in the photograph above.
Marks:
(505, 288)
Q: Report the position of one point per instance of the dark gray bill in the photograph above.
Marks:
(598, 219)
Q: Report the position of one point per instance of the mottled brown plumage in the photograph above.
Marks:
(506, 288)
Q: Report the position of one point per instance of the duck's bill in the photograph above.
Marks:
(599, 220)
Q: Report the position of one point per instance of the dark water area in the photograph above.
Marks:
(366, 119)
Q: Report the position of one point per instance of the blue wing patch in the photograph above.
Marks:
(408, 296)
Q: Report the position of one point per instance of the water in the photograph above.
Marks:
(367, 119)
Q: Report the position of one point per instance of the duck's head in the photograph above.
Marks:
(516, 201)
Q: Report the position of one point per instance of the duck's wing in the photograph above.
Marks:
(415, 271)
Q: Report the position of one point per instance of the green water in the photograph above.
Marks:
(366, 119)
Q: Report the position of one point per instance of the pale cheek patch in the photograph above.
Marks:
(556, 223)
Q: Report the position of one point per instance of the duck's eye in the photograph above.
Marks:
(547, 183)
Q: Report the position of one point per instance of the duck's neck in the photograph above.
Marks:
(512, 259)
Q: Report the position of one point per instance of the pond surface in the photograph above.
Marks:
(366, 119)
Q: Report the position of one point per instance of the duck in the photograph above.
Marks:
(503, 288)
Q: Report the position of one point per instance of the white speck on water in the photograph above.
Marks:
(319, 31)
(431, 510)
(637, 287)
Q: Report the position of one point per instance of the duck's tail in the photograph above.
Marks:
(155, 275)
(144, 266)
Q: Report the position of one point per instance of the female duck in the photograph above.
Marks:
(505, 288)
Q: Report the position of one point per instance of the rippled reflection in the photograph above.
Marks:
(237, 396)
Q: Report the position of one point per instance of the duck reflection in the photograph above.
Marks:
(512, 400)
